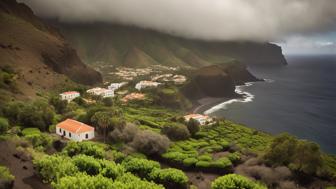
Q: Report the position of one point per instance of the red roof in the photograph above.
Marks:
(71, 92)
(74, 126)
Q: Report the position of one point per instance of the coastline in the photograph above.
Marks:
(208, 105)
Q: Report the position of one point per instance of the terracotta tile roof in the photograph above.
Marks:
(195, 116)
(74, 126)
(70, 92)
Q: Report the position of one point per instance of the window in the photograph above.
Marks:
(69, 134)
(60, 130)
(86, 136)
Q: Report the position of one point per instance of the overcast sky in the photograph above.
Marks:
(300, 26)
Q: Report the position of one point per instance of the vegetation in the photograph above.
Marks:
(5, 174)
(176, 131)
(231, 181)
(86, 148)
(4, 126)
(170, 178)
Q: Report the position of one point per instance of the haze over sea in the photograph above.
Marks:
(299, 99)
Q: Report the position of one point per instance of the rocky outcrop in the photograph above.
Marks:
(217, 81)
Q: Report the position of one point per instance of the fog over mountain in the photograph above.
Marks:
(258, 20)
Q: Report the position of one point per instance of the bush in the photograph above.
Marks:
(203, 164)
(231, 181)
(88, 148)
(52, 168)
(4, 126)
(193, 126)
(190, 161)
(31, 131)
(108, 101)
(140, 167)
(40, 140)
(150, 143)
(84, 181)
(176, 131)
(59, 105)
(5, 174)
(111, 169)
(170, 177)
(87, 164)
(129, 181)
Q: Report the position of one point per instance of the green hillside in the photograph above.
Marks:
(135, 47)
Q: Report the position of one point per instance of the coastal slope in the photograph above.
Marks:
(37, 53)
(114, 44)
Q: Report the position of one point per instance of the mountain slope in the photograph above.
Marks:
(39, 55)
(111, 44)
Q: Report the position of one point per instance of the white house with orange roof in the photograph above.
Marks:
(75, 130)
(201, 119)
(69, 95)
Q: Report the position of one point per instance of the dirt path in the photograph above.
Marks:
(21, 168)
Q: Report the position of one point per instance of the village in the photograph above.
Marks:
(77, 131)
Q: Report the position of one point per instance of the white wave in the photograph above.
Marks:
(247, 97)
(269, 80)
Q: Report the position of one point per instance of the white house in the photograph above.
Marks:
(69, 95)
(101, 92)
(116, 86)
(201, 119)
(75, 130)
(146, 84)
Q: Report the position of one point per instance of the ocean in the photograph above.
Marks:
(299, 99)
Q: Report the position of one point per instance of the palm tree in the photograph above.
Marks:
(103, 120)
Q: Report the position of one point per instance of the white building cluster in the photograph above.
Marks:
(101, 92)
(146, 84)
(69, 95)
(116, 86)
(201, 119)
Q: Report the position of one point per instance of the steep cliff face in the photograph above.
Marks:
(40, 56)
(217, 80)
(113, 44)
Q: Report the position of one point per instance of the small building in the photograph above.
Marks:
(75, 130)
(133, 96)
(101, 92)
(201, 119)
(146, 84)
(179, 79)
(69, 95)
(116, 86)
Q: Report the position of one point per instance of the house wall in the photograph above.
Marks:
(75, 137)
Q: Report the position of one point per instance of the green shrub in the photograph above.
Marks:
(4, 125)
(87, 164)
(205, 157)
(40, 140)
(31, 131)
(87, 148)
(170, 177)
(111, 169)
(175, 156)
(223, 163)
(190, 161)
(140, 167)
(234, 157)
(203, 164)
(176, 131)
(84, 181)
(232, 181)
(193, 126)
(52, 168)
(129, 181)
(5, 174)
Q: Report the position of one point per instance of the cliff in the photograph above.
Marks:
(136, 47)
(40, 56)
(217, 81)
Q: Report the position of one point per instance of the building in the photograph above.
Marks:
(201, 119)
(116, 86)
(179, 79)
(146, 84)
(133, 96)
(75, 130)
(101, 92)
(69, 95)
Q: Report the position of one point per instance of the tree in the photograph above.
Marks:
(59, 105)
(104, 121)
(193, 126)
(4, 126)
(108, 101)
(150, 143)
(176, 131)
(231, 181)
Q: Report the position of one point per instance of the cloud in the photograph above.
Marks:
(256, 20)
